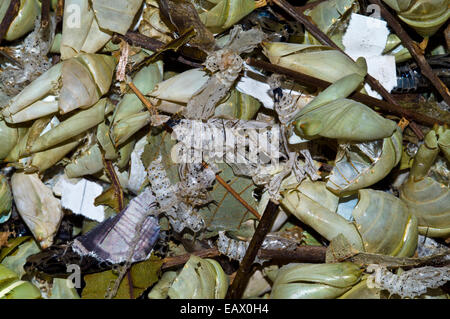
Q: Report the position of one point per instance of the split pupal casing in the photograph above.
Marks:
(88, 163)
(428, 199)
(382, 223)
(74, 125)
(9, 136)
(114, 239)
(424, 16)
(315, 281)
(11, 287)
(24, 21)
(331, 115)
(69, 85)
(355, 171)
(319, 61)
(5, 199)
(37, 206)
(200, 279)
(88, 27)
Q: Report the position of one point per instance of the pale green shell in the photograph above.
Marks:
(425, 16)
(5, 199)
(224, 13)
(331, 115)
(9, 137)
(88, 163)
(25, 19)
(382, 223)
(385, 224)
(358, 172)
(200, 279)
(318, 61)
(71, 127)
(13, 288)
(315, 281)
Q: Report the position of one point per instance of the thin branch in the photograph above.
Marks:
(235, 194)
(309, 5)
(242, 276)
(170, 262)
(363, 98)
(308, 254)
(324, 39)
(45, 13)
(10, 15)
(415, 52)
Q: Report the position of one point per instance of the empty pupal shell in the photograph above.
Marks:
(9, 137)
(5, 199)
(13, 288)
(425, 16)
(382, 222)
(427, 198)
(200, 279)
(331, 115)
(311, 281)
(24, 21)
(220, 15)
(315, 60)
(88, 26)
(359, 165)
(37, 206)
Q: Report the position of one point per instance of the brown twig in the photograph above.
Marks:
(363, 98)
(243, 273)
(324, 39)
(140, 40)
(170, 262)
(235, 194)
(309, 254)
(309, 5)
(10, 15)
(59, 11)
(415, 51)
(141, 97)
(45, 13)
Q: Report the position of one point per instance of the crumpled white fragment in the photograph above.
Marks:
(411, 283)
(138, 172)
(366, 37)
(78, 195)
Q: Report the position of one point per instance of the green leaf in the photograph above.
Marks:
(143, 274)
(12, 244)
(227, 213)
(18, 258)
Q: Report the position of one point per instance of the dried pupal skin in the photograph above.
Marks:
(311, 281)
(359, 165)
(200, 279)
(331, 18)
(382, 223)
(428, 199)
(133, 231)
(424, 16)
(5, 199)
(318, 61)
(37, 206)
(88, 163)
(220, 15)
(24, 21)
(332, 115)
(161, 289)
(13, 288)
(88, 28)
(9, 136)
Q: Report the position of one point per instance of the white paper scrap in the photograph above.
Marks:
(78, 195)
(366, 37)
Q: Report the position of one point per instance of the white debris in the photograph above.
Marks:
(78, 195)
(138, 172)
(366, 37)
